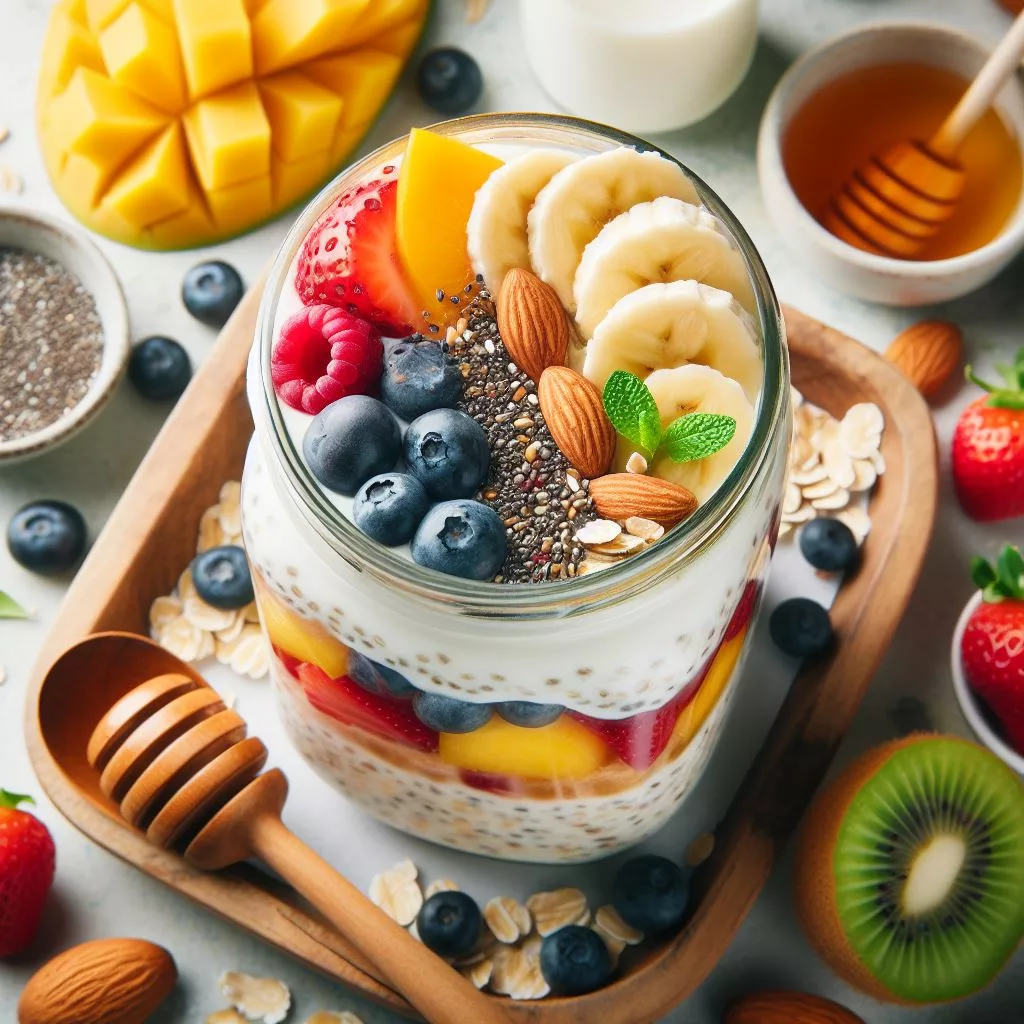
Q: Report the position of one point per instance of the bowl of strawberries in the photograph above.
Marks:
(988, 656)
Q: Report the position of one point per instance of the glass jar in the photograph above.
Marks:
(642, 656)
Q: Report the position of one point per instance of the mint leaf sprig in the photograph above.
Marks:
(1002, 581)
(10, 609)
(634, 414)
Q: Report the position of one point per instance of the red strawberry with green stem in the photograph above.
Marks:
(26, 873)
(988, 448)
(992, 648)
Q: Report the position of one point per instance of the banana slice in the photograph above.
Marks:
(580, 199)
(663, 240)
(696, 388)
(662, 326)
(496, 233)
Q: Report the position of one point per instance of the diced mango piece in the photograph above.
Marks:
(76, 10)
(155, 185)
(303, 116)
(141, 53)
(363, 79)
(100, 13)
(229, 137)
(85, 179)
(293, 179)
(565, 749)
(382, 16)
(216, 43)
(192, 226)
(68, 46)
(285, 32)
(304, 639)
(722, 668)
(102, 121)
(243, 205)
(399, 40)
(345, 143)
(438, 181)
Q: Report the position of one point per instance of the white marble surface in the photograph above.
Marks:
(96, 895)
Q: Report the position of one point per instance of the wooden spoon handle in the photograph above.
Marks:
(1003, 61)
(438, 991)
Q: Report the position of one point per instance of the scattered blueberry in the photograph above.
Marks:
(575, 960)
(449, 923)
(389, 507)
(828, 544)
(448, 714)
(211, 291)
(222, 578)
(419, 376)
(350, 441)
(159, 368)
(800, 627)
(651, 893)
(461, 538)
(47, 537)
(447, 451)
(449, 80)
(377, 678)
(528, 714)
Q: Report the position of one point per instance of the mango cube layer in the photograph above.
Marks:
(167, 124)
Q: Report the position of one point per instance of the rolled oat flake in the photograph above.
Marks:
(51, 342)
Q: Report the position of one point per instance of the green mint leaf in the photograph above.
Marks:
(10, 609)
(697, 436)
(632, 410)
(982, 573)
(1010, 567)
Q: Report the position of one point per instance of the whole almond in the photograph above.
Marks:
(108, 981)
(621, 495)
(777, 1007)
(532, 323)
(927, 353)
(575, 416)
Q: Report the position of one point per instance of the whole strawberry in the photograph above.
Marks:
(988, 448)
(26, 873)
(992, 648)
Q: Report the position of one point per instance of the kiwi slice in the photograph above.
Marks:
(929, 870)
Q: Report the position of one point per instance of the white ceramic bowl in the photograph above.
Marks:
(969, 703)
(879, 278)
(22, 227)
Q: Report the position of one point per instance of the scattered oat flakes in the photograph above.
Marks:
(600, 531)
(614, 946)
(5, 134)
(646, 529)
(624, 544)
(260, 999)
(475, 10)
(10, 181)
(332, 1017)
(226, 1017)
(439, 885)
(398, 893)
(636, 463)
(508, 919)
(485, 946)
(3, 675)
(555, 909)
(479, 973)
(163, 611)
(181, 638)
(608, 922)
(517, 971)
(700, 849)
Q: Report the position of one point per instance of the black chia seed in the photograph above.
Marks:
(51, 341)
(528, 483)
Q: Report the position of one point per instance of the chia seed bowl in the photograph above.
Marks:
(74, 281)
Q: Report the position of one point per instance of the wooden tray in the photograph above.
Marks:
(151, 535)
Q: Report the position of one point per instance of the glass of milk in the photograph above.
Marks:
(642, 65)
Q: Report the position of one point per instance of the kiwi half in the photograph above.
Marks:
(910, 870)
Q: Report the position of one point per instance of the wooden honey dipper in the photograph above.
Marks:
(181, 769)
(899, 200)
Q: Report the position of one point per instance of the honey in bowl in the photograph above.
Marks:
(865, 111)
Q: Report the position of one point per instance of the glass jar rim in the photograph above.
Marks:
(558, 598)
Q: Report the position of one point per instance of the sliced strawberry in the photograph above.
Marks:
(288, 661)
(350, 259)
(489, 781)
(744, 610)
(346, 701)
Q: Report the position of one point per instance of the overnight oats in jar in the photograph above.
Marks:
(521, 399)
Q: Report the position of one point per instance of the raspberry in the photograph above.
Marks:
(322, 354)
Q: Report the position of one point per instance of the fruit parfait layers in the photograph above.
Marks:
(521, 403)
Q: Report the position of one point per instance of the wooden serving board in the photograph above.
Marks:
(151, 535)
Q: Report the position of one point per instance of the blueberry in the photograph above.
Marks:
(461, 538)
(449, 80)
(419, 376)
(222, 578)
(377, 678)
(528, 714)
(447, 451)
(800, 627)
(211, 291)
(828, 544)
(159, 368)
(448, 714)
(47, 537)
(651, 893)
(389, 507)
(575, 960)
(449, 923)
(350, 441)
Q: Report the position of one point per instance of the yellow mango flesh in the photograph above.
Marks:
(565, 749)
(302, 638)
(122, 81)
(722, 668)
(439, 179)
